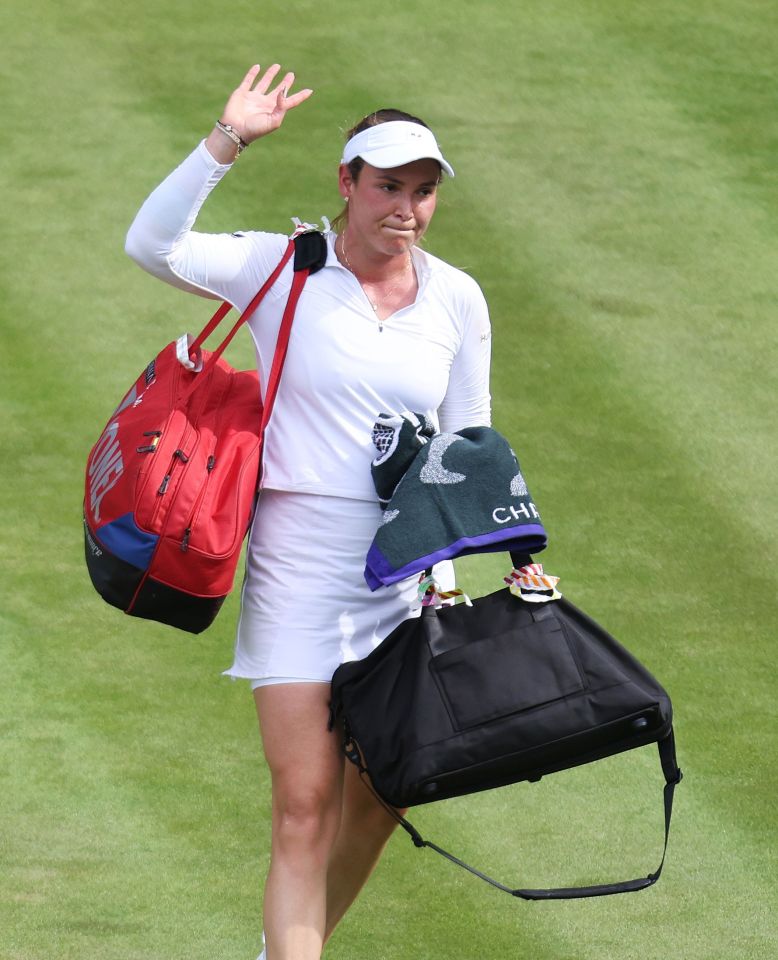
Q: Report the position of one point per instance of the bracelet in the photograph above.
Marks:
(230, 131)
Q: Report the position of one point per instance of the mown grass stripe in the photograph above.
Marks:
(614, 196)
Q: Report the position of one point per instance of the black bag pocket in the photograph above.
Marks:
(507, 673)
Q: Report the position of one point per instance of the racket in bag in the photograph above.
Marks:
(463, 699)
(172, 480)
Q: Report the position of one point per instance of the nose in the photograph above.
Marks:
(404, 205)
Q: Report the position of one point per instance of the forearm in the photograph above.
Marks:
(159, 237)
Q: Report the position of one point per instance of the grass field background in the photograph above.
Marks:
(617, 198)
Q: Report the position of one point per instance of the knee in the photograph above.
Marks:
(305, 816)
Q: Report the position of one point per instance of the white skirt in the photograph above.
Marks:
(305, 606)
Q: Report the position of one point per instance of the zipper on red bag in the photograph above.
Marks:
(178, 457)
(210, 464)
(195, 509)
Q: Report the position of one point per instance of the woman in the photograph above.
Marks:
(383, 327)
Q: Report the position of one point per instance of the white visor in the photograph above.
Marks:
(394, 144)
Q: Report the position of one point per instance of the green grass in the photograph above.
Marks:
(616, 198)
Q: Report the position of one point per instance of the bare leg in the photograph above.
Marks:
(365, 828)
(307, 776)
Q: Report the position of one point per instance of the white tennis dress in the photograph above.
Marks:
(305, 605)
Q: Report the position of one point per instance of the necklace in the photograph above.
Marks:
(374, 303)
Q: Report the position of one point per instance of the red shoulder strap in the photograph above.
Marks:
(283, 334)
(282, 346)
(244, 317)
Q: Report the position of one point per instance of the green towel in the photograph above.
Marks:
(453, 494)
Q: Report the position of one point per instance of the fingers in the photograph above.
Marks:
(269, 77)
(286, 102)
(283, 89)
(281, 93)
(296, 99)
(249, 78)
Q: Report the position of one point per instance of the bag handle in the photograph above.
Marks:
(673, 777)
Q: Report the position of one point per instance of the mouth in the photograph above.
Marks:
(398, 230)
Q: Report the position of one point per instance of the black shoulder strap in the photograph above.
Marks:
(672, 776)
(310, 251)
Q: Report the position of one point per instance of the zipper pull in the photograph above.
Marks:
(163, 485)
(185, 540)
(211, 463)
(150, 447)
(181, 456)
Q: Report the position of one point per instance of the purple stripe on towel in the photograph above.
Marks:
(528, 538)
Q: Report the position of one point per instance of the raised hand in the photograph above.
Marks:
(256, 110)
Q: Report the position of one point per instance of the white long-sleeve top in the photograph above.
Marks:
(341, 371)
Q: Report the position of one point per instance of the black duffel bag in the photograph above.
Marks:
(467, 698)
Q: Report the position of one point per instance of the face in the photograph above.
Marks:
(389, 210)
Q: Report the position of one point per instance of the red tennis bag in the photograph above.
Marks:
(171, 482)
